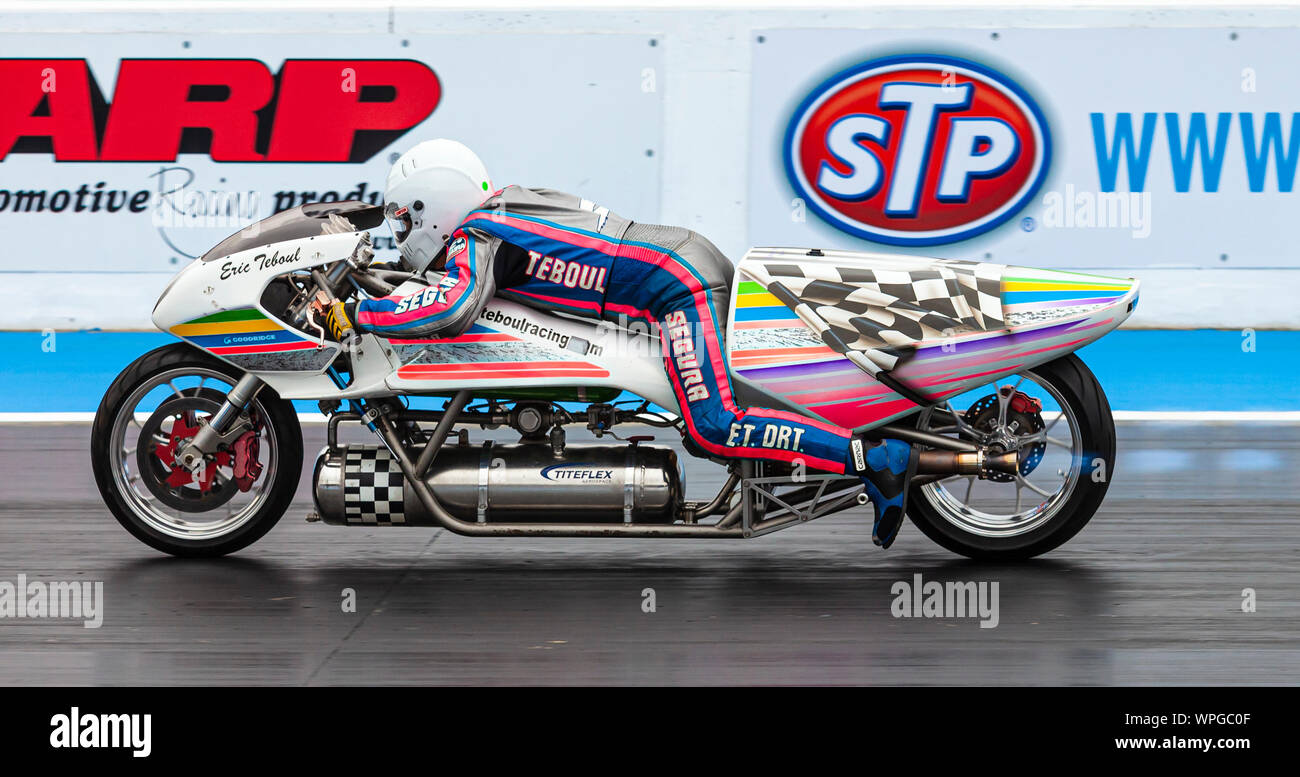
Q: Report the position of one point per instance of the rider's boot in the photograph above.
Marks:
(886, 468)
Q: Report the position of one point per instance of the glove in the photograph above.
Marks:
(332, 316)
(338, 322)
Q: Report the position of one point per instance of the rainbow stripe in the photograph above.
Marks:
(468, 338)
(758, 356)
(1060, 289)
(226, 322)
(755, 305)
(501, 370)
(240, 332)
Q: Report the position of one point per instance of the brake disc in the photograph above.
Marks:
(1024, 416)
(156, 451)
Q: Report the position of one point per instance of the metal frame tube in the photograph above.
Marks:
(454, 406)
(733, 516)
(454, 524)
(925, 438)
(725, 528)
(712, 506)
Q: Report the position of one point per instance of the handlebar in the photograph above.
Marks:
(333, 281)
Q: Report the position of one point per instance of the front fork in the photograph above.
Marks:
(225, 426)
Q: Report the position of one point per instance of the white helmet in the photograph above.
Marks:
(430, 190)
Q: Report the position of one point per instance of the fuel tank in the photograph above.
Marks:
(362, 485)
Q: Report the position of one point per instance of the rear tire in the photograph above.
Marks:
(1079, 389)
(111, 428)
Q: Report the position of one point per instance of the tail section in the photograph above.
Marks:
(807, 324)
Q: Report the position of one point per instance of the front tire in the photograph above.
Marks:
(986, 533)
(195, 519)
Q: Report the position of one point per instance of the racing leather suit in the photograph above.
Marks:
(547, 249)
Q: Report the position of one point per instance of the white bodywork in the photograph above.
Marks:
(523, 338)
(826, 334)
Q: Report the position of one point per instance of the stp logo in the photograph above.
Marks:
(917, 150)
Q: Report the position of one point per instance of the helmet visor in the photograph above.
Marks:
(399, 218)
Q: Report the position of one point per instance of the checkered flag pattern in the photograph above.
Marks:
(876, 307)
(372, 487)
(981, 287)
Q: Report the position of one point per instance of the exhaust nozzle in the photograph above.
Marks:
(977, 463)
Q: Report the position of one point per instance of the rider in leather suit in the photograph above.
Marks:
(552, 250)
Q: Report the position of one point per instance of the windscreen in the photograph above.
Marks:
(296, 223)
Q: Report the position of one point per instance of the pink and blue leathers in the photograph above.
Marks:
(552, 250)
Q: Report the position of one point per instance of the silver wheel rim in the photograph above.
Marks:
(221, 521)
(953, 497)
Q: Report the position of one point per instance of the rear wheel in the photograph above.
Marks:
(1057, 418)
(149, 413)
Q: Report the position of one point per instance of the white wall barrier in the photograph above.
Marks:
(1160, 144)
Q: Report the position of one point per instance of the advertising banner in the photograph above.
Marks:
(1124, 148)
(133, 153)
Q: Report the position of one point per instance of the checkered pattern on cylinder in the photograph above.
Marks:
(372, 487)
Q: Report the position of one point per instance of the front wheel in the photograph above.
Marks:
(149, 413)
(1057, 418)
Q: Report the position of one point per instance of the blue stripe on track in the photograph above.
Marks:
(1140, 370)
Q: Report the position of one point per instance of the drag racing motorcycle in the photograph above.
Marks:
(197, 448)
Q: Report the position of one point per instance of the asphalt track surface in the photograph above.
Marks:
(1149, 593)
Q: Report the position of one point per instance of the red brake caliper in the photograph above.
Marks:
(247, 468)
(183, 428)
(1023, 403)
(1030, 408)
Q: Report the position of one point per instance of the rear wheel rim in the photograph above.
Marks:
(1034, 504)
(224, 519)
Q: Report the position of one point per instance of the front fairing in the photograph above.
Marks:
(216, 304)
